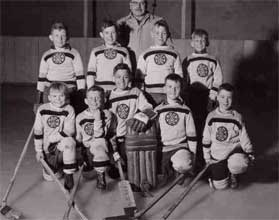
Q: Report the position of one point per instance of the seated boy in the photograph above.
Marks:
(93, 126)
(127, 103)
(226, 142)
(53, 130)
(176, 130)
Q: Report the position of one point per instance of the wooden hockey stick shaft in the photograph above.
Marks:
(185, 192)
(12, 180)
(141, 213)
(67, 195)
(73, 194)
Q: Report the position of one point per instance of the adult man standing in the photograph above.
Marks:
(135, 29)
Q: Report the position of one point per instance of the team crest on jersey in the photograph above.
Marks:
(222, 133)
(172, 118)
(123, 111)
(89, 129)
(202, 70)
(160, 59)
(53, 121)
(58, 58)
(110, 53)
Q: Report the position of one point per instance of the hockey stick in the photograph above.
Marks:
(6, 210)
(126, 193)
(67, 195)
(185, 192)
(72, 196)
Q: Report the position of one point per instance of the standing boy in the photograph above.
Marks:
(61, 63)
(176, 130)
(226, 142)
(157, 62)
(54, 128)
(204, 76)
(105, 57)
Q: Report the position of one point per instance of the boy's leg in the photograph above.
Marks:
(182, 162)
(68, 148)
(101, 161)
(54, 159)
(219, 175)
(237, 164)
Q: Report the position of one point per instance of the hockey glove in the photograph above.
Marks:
(139, 122)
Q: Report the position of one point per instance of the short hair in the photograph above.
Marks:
(108, 23)
(226, 86)
(201, 33)
(174, 77)
(122, 66)
(59, 86)
(163, 23)
(96, 88)
(58, 25)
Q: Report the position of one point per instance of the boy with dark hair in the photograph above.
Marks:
(157, 62)
(105, 57)
(177, 130)
(226, 142)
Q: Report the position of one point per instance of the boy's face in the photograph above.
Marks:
(224, 99)
(58, 37)
(57, 98)
(172, 89)
(94, 100)
(109, 35)
(159, 35)
(138, 7)
(198, 43)
(122, 79)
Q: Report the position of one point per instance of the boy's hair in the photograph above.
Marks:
(108, 23)
(122, 66)
(57, 25)
(226, 86)
(174, 77)
(163, 23)
(96, 88)
(201, 33)
(59, 86)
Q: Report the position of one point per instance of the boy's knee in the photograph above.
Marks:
(67, 143)
(238, 163)
(182, 161)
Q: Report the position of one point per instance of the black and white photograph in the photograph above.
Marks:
(139, 109)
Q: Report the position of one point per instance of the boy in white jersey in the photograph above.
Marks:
(61, 63)
(127, 103)
(157, 62)
(177, 130)
(93, 128)
(105, 57)
(204, 76)
(225, 141)
(54, 128)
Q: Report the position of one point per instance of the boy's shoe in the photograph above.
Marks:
(48, 177)
(234, 181)
(113, 173)
(101, 180)
(68, 181)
